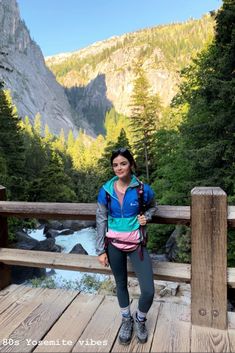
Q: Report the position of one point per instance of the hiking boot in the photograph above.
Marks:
(126, 330)
(141, 331)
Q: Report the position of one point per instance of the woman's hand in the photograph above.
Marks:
(103, 259)
(142, 220)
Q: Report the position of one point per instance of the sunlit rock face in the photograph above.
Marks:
(33, 87)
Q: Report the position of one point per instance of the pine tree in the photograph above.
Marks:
(143, 121)
(209, 130)
(114, 122)
(70, 142)
(58, 143)
(48, 136)
(12, 146)
(37, 126)
(53, 184)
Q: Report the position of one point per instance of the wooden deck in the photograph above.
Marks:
(57, 320)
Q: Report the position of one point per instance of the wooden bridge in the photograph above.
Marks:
(57, 320)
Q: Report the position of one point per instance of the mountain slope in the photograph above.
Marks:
(101, 76)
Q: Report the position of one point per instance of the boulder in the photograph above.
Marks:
(51, 224)
(171, 245)
(77, 224)
(78, 249)
(24, 241)
(47, 245)
(51, 233)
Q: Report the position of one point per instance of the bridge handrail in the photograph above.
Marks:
(166, 214)
(208, 215)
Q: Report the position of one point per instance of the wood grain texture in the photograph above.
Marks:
(86, 263)
(51, 303)
(231, 330)
(206, 339)
(20, 306)
(87, 211)
(37, 316)
(173, 329)
(102, 329)
(84, 211)
(209, 257)
(71, 324)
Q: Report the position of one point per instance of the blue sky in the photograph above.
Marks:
(68, 25)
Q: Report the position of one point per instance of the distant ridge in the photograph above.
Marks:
(101, 75)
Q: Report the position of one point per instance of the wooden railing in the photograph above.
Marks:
(208, 216)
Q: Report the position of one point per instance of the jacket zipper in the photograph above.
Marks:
(121, 206)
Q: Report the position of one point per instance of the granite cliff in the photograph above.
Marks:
(33, 87)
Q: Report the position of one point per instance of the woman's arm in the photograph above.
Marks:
(101, 226)
(151, 210)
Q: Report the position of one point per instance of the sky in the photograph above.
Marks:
(60, 26)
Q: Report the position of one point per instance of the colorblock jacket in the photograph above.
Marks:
(112, 216)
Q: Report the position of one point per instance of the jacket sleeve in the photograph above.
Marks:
(151, 204)
(101, 221)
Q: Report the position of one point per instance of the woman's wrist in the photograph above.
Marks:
(104, 252)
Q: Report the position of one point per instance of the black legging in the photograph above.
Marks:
(143, 271)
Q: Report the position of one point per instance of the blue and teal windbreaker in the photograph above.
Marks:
(121, 218)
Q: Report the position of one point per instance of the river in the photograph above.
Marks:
(61, 278)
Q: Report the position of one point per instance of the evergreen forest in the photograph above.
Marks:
(191, 143)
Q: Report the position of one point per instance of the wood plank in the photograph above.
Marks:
(173, 329)
(231, 337)
(85, 263)
(71, 324)
(209, 257)
(102, 330)
(172, 215)
(169, 271)
(135, 346)
(219, 260)
(7, 290)
(17, 312)
(207, 339)
(84, 211)
(48, 210)
(231, 330)
(52, 303)
(12, 294)
(231, 320)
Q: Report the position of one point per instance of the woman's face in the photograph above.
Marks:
(121, 167)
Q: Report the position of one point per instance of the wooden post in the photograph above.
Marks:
(5, 274)
(209, 257)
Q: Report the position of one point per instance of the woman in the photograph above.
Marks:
(121, 233)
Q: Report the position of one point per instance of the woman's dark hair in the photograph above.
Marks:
(125, 153)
